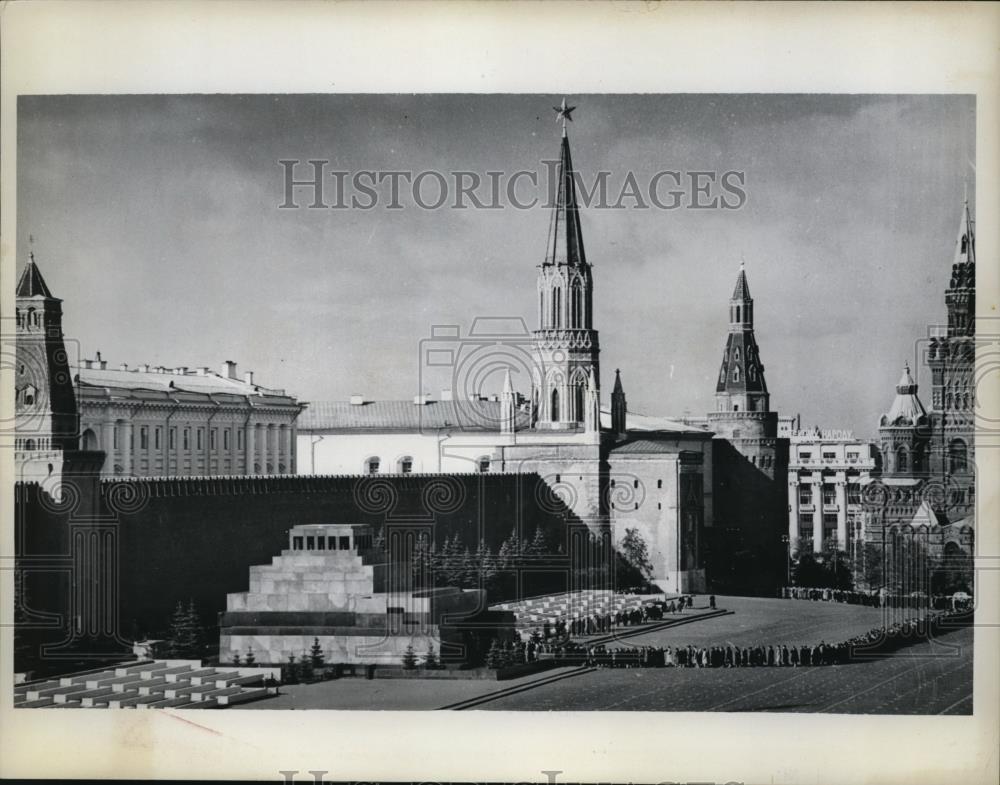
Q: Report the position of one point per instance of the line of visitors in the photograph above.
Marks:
(878, 641)
(878, 598)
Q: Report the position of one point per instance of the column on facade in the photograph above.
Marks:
(287, 447)
(293, 435)
(793, 512)
(272, 443)
(817, 498)
(126, 444)
(841, 487)
(108, 445)
(233, 452)
(250, 446)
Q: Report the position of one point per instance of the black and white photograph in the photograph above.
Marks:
(497, 402)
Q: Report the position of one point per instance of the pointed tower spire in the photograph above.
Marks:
(741, 385)
(508, 408)
(565, 245)
(31, 283)
(619, 408)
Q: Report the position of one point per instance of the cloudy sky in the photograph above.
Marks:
(156, 219)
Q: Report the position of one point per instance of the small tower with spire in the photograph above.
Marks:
(618, 408)
(508, 405)
(565, 345)
(903, 430)
(46, 418)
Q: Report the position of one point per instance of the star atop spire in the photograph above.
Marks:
(564, 113)
(742, 290)
(565, 243)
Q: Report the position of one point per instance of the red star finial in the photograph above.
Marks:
(564, 113)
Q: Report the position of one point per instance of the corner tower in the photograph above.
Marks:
(46, 419)
(741, 386)
(903, 431)
(565, 345)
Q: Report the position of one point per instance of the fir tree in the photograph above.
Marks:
(469, 576)
(251, 659)
(494, 657)
(183, 637)
(292, 674)
(236, 658)
(316, 654)
(305, 667)
(194, 638)
(538, 545)
(430, 659)
(409, 658)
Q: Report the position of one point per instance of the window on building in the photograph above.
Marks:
(187, 438)
(310, 543)
(114, 437)
(484, 465)
(157, 435)
(331, 543)
(829, 494)
(225, 439)
(371, 465)
(212, 439)
(659, 483)
(829, 457)
(197, 434)
(736, 374)
(143, 438)
(853, 493)
(805, 456)
(902, 460)
(345, 543)
(173, 438)
(958, 456)
(405, 464)
(852, 457)
(830, 529)
(239, 440)
(321, 543)
(635, 483)
(805, 494)
(296, 543)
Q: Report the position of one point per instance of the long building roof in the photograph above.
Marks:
(131, 382)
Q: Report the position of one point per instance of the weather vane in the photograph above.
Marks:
(564, 113)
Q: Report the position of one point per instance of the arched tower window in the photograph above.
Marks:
(541, 310)
(902, 459)
(958, 456)
(738, 314)
(578, 401)
(554, 408)
(577, 305)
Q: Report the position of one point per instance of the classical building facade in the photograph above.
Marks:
(181, 422)
(827, 474)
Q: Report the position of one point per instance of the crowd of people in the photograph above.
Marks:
(877, 641)
(877, 598)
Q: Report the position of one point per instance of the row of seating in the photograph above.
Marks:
(572, 606)
(150, 684)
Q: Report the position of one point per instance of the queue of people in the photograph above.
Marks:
(877, 598)
(875, 642)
